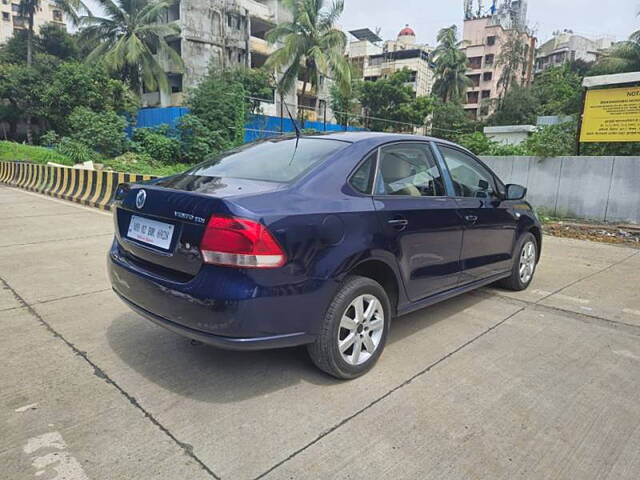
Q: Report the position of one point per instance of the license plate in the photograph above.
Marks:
(154, 233)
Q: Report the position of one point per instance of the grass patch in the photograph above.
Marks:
(11, 151)
(127, 163)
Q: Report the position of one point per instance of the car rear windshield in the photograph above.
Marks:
(276, 160)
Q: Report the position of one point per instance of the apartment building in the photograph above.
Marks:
(566, 46)
(484, 38)
(375, 61)
(11, 21)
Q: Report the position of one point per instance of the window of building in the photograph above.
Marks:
(57, 15)
(475, 63)
(6, 17)
(5, 2)
(473, 97)
(487, 76)
(486, 94)
(491, 40)
(472, 113)
(489, 59)
(371, 79)
(175, 80)
(412, 76)
(15, 7)
(475, 79)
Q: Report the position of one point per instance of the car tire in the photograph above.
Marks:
(356, 322)
(524, 264)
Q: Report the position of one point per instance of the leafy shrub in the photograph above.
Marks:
(49, 139)
(198, 141)
(100, 131)
(156, 143)
(553, 140)
(75, 151)
(480, 144)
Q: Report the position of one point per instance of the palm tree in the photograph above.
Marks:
(451, 65)
(131, 39)
(624, 57)
(28, 8)
(312, 47)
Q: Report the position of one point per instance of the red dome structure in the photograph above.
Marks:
(407, 32)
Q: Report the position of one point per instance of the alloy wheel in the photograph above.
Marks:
(527, 262)
(361, 329)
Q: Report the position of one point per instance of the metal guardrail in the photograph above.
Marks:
(94, 188)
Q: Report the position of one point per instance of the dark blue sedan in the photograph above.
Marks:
(318, 241)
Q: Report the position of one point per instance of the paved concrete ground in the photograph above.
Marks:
(540, 384)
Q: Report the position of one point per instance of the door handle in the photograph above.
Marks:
(471, 218)
(399, 223)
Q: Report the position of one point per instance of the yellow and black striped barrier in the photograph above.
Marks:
(94, 188)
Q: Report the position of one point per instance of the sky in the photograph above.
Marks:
(616, 18)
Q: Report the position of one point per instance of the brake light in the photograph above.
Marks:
(239, 242)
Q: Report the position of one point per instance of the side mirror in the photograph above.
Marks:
(515, 192)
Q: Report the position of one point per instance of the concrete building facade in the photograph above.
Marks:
(566, 46)
(224, 33)
(484, 38)
(375, 61)
(11, 21)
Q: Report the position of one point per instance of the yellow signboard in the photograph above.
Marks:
(612, 115)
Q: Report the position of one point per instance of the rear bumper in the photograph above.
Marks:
(225, 307)
(227, 343)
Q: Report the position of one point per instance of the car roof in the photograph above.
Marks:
(382, 137)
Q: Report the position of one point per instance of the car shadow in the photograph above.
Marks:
(212, 375)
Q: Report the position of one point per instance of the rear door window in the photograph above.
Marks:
(409, 169)
(276, 160)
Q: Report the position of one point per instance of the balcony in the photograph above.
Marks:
(260, 46)
(258, 10)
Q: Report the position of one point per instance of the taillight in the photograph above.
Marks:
(239, 242)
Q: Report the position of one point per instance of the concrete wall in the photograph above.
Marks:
(591, 188)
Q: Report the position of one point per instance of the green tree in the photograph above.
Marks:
(391, 105)
(450, 66)
(346, 105)
(512, 60)
(103, 132)
(57, 42)
(312, 47)
(558, 90)
(623, 57)
(519, 106)
(450, 121)
(74, 85)
(258, 85)
(130, 39)
(28, 8)
(51, 40)
(21, 91)
(217, 104)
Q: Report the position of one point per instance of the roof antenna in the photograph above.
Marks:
(298, 133)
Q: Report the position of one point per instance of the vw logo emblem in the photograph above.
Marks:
(141, 198)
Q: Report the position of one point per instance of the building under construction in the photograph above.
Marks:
(223, 33)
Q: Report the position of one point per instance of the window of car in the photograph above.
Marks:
(362, 178)
(274, 160)
(470, 178)
(409, 169)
